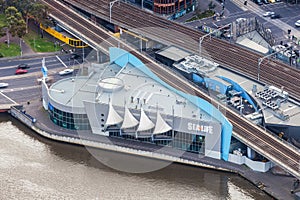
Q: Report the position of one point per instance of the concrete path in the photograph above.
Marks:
(25, 49)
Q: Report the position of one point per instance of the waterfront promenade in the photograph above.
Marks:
(275, 185)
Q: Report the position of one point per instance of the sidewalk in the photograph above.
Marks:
(203, 5)
(275, 185)
(25, 49)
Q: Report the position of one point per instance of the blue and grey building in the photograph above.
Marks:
(123, 98)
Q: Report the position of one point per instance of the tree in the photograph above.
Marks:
(40, 14)
(15, 23)
(30, 9)
(26, 8)
(2, 5)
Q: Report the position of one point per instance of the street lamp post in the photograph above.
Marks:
(209, 34)
(21, 47)
(110, 7)
(258, 67)
(260, 60)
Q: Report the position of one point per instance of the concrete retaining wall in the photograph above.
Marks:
(17, 113)
(254, 165)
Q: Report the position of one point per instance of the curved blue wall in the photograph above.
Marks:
(122, 57)
(238, 88)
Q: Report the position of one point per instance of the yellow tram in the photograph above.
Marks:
(70, 41)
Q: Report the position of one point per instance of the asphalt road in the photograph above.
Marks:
(24, 87)
(289, 13)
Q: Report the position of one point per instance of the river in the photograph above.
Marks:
(32, 167)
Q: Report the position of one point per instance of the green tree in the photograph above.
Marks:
(26, 8)
(31, 9)
(2, 5)
(40, 14)
(15, 23)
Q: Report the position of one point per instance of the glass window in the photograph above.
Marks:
(68, 120)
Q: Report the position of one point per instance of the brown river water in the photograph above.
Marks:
(32, 167)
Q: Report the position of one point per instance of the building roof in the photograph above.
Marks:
(173, 53)
(140, 90)
(256, 42)
(113, 117)
(145, 123)
(161, 126)
(129, 120)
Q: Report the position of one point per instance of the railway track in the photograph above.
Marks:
(231, 56)
(255, 137)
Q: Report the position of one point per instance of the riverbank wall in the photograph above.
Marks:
(276, 186)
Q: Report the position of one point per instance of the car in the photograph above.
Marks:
(74, 56)
(265, 1)
(297, 23)
(272, 1)
(21, 71)
(268, 14)
(66, 72)
(3, 85)
(23, 66)
(47, 80)
(258, 2)
(275, 16)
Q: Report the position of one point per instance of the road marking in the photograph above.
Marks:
(8, 98)
(58, 58)
(20, 89)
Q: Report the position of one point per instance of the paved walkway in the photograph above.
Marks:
(203, 5)
(25, 49)
(278, 186)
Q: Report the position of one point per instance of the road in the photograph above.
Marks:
(236, 9)
(23, 88)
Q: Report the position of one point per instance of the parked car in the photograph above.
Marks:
(66, 72)
(268, 14)
(3, 85)
(275, 16)
(258, 2)
(23, 66)
(297, 23)
(265, 1)
(272, 1)
(21, 71)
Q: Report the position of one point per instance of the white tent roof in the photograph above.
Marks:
(161, 125)
(129, 120)
(113, 117)
(145, 122)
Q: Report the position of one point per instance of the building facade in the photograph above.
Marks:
(123, 98)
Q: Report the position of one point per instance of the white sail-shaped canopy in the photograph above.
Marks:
(161, 125)
(145, 123)
(129, 120)
(113, 117)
